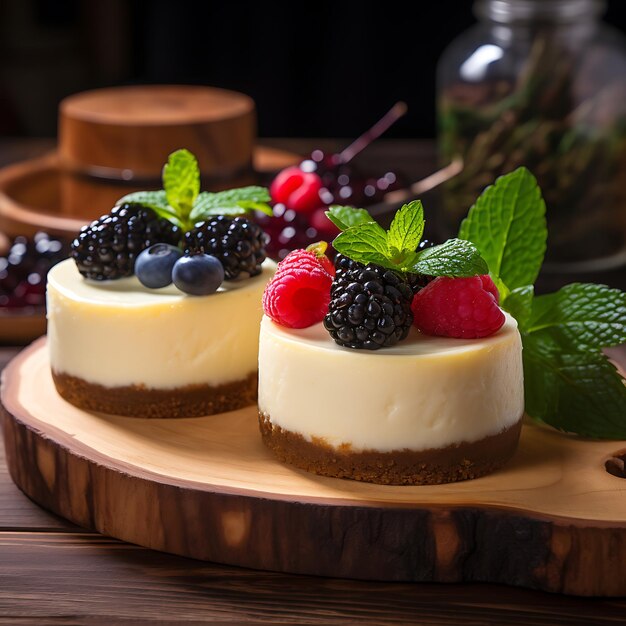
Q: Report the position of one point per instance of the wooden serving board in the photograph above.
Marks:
(552, 519)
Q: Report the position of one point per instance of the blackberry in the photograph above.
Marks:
(343, 264)
(419, 281)
(370, 308)
(416, 281)
(238, 243)
(108, 247)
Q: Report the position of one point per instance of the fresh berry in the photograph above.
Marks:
(24, 268)
(108, 247)
(318, 249)
(490, 286)
(237, 242)
(198, 275)
(343, 264)
(466, 308)
(296, 189)
(154, 265)
(322, 224)
(370, 308)
(298, 294)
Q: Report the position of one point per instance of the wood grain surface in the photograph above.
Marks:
(87, 579)
(552, 519)
(38, 194)
(127, 132)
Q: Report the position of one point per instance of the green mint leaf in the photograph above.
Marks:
(147, 198)
(156, 201)
(406, 229)
(181, 181)
(262, 207)
(455, 258)
(580, 317)
(569, 383)
(365, 243)
(231, 202)
(579, 392)
(519, 304)
(344, 217)
(508, 225)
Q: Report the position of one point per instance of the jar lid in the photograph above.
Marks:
(506, 11)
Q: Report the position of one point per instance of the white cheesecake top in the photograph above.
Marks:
(129, 292)
(119, 333)
(425, 392)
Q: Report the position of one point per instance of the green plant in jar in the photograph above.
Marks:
(541, 83)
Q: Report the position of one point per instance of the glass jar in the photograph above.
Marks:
(541, 83)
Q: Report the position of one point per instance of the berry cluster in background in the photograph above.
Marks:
(24, 268)
(301, 194)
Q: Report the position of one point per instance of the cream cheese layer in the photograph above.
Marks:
(426, 392)
(117, 333)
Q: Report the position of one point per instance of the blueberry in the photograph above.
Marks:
(154, 265)
(198, 275)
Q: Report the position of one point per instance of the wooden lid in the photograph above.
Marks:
(126, 133)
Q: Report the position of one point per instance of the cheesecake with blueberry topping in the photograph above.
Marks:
(157, 312)
(119, 347)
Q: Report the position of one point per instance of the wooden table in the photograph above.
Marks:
(52, 572)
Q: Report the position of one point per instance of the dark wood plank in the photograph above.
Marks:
(62, 575)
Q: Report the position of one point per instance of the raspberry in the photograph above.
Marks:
(466, 308)
(319, 251)
(322, 224)
(489, 285)
(298, 294)
(297, 190)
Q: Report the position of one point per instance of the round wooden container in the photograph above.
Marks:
(125, 134)
(115, 141)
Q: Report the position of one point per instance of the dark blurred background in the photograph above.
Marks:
(322, 69)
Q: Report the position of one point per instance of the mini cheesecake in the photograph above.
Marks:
(119, 347)
(428, 410)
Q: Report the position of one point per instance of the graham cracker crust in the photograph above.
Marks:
(140, 401)
(433, 466)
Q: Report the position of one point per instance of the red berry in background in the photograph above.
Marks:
(465, 308)
(298, 294)
(322, 224)
(296, 189)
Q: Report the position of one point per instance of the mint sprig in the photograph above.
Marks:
(181, 181)
(406, 229)
(454, 258)
(343, 217)
(365, 241)
(182, 203)
(231, 202)
(569, 383)
(508, 225)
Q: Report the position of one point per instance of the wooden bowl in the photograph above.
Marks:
(115, 141)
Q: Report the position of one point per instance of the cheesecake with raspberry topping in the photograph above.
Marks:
(428, 410)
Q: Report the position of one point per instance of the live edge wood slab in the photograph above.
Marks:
(552, 519)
